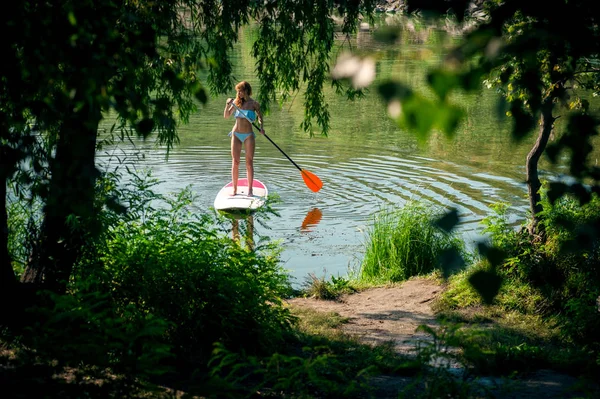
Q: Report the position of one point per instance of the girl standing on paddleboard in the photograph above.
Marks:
(242, 133)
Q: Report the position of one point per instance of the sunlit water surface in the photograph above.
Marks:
(366, 164)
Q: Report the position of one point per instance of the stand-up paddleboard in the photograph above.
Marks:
(226, 201)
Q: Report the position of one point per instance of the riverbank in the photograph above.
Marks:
(392, 315)
(378, 317)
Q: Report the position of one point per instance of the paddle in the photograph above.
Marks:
(311, 180)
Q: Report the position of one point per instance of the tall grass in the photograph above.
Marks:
(404, 242)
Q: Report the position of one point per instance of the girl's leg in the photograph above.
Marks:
(249, 145)
(236, 149)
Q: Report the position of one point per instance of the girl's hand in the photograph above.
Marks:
(262, 131)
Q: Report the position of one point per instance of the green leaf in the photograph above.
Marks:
(556, 190)
(523, 121)
(442, 82)
(565, 222)
(144, 127)
(594, 173)
(494, 255)
(585, 240)
(472, 79)
(553, 151)
(72, 19)
(581, 129)
(581, 193)
(501, 108)
(391, 90)
(450, 261)
(448, 118)
(114, 205)
(487, 284)
(418, 115)
(448, 221)
(201, 96)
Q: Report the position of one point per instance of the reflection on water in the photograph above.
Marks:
(312, 219)
(366, 164)
(247, 231)
(327, 230)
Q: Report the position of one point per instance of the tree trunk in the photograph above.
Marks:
(7, 275)
(68, 213)
(531, 169)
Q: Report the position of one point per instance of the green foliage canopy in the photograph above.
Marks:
(68, 63)
(530, 54)
(543, 60)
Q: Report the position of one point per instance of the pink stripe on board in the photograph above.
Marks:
(244, 182)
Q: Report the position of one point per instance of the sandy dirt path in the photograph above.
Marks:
(393, 314)
(387, 314)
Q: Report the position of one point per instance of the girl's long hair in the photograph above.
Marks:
(246, 87)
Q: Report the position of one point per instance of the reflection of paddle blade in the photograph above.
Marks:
(313, 217)
(311, 180)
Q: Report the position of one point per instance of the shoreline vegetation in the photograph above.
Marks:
(179, 310)
(134, 294)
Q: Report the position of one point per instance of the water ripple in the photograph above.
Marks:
(354, 190)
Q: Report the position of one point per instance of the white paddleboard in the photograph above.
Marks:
(226, 201)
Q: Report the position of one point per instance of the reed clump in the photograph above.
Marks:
(404, 242)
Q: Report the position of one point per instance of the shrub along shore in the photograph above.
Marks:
(165, 301)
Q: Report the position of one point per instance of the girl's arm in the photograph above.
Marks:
(228, 108)
(259, 117)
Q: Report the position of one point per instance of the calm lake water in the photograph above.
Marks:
(366, 163)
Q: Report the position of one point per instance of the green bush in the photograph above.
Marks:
(321, 288)
(576, 256)
(316, 372)
(405, 242)
(83, 329)
(161, 277)
(168, 262)
(155, 290)
(564, 269)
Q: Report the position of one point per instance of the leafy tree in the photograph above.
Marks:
(543, 60)
(70, 62)
(67, 63)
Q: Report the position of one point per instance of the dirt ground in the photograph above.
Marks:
(392, 314)
(381, 315)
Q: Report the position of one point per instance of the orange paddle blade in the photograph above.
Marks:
(311, 180)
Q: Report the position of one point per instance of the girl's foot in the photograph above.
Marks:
(250, 193)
